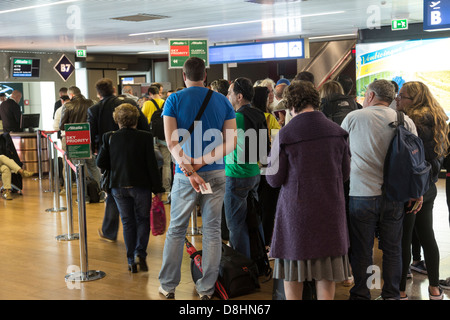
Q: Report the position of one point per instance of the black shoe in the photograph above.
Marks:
(142, 263)
(132, 268)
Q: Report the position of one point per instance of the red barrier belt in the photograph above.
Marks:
(45, 134)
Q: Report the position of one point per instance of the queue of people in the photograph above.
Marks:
(315, 164)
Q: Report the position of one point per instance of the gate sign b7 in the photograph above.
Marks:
(64, 67)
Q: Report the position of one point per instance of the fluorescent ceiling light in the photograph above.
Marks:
(148, 52)
(235, 23)
(37, 6)
(333, 36)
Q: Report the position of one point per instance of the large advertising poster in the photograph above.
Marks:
(412, 60)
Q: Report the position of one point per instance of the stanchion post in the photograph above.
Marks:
(85, 274)
(39, 152)
(50, 164)
(68, 181)
(56, 200)
(195, 231)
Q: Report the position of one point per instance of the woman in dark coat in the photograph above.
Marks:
(310, 160)
(129, 155)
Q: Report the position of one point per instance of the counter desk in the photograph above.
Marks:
(27, 149)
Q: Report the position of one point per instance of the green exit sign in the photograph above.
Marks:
(81, 53)
(400, 24)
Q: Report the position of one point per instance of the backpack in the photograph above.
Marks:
(197, 269)
(237, 273)
(255, 119)
(157, 122)
(258, 249)
(407, 175)
(337, 106)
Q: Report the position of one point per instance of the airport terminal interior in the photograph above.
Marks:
(47, 236)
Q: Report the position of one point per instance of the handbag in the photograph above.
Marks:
(157, 217)
(104, 181)
(105, 178)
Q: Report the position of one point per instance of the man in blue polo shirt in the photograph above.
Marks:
(199, 161)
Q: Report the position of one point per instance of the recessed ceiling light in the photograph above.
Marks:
(150, 52)
(141, 17)
(333, 36)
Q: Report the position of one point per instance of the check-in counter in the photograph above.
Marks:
(27, 149)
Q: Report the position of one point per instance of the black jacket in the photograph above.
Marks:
(10, 115)
(426, 133)
(100, 118)
(130, 157)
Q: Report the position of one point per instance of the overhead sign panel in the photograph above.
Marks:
(181, 50)
(436, 15)
(259, 51)
(78, 140)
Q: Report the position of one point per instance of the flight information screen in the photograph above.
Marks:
(25, 67)
(258, 51)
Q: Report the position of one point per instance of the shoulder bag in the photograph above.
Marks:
(106, 176)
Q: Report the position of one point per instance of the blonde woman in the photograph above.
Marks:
(129, 155)
(416, 100)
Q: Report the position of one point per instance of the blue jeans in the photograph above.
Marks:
(134, 206)
(237, 191)
(367, 214)
(184, 199)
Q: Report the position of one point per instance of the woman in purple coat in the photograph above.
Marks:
(310, 160)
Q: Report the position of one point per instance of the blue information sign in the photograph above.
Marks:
(436, 15)
(64, 67)
(258, 51)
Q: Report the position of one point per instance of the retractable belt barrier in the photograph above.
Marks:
(84, 274)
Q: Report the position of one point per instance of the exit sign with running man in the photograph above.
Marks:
(400, 24)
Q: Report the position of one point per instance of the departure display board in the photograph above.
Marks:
(259, 51)
(25, 67)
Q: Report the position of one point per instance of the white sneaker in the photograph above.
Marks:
(168, 295)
